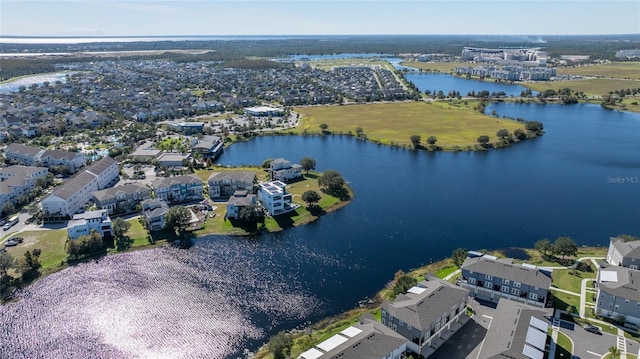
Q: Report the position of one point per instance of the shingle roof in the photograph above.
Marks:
(244, 176)
(115, 191)
(58, 154)
(241, 201)
(627, 285)
(101, 165)
(21, 171)
(507, 334)
(502, 269)
(20, 148)
(168, 181)
(420, 310)
(72, 186)
(629, 249)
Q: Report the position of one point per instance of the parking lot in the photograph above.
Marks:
(149, 176)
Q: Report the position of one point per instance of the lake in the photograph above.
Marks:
(27, 81)
(410, 208)
(445, 83)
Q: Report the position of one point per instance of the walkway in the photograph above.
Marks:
(452, 274)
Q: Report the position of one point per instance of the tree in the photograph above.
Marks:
(308, 164)
(458, 256)
(615, 352)
(8, 208)
(628, 238)
(415, 141)
(324, 128)
(6, 262)
(178, 218)
(432, 140)
(359, 132)
(520, 134)
(565, 246)
(403, 283)
(311, 197)
(483, 140)
(543, 246)
(73, 248)
(266, 163)
(280, 345)
(331, 180)
(251, 214)
(120, 228)
(503, 133)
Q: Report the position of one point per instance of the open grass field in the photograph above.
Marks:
(51, 244)
(588, 86)
(330, 64)
(617, 70)
(532, 256)
(570, 280)
(394, 123)
(433, 66)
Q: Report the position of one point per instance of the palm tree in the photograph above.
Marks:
(615, 352)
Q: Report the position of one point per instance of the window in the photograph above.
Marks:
(488, 285)
(472, 280)
(395, 327)
(617, 306)
(517, 284)
(384, 313)
(408, 326)
(634, 266)
(504, 289)
(382, 320)
(401, 323)
(515, 291)
(533, 296)
(488, 277)
(505, 281)
(626, 301)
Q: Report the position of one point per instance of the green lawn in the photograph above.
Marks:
(445, 271)
(532, 256)
(564, 347)
(330, 64)
(588, 86)
(137, 233)
(570, 279)
(51, 244)
(618, 70)
(434, 66)
(454, 124)
(562, 301)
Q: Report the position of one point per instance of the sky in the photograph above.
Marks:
(308, 17)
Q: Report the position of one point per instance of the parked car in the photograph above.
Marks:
(11, 243)
(17, 239)
(593, 329)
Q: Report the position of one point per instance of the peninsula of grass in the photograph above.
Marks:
(616, 70)
(598, 87)
(456, 125)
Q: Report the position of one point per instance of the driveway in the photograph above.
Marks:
(587, 345)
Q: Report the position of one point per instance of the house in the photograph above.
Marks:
(283, 170)
(490, 279)
(275, 198)
(22, 154)
(179, 188)
(224, 184)
(366, 339)
(428, 314)
(18, 180)
(121, 199)
(209, 146)
(517, 331)
(171, 159)
(73, 161)
(624, 254)
(618, 294)
(186, 127)
(239, 200)
(82, 224)
(69, 198)
(263, 111)
(153, 213)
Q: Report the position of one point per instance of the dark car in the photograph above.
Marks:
(17, 239)
(11, 243)
(593, 329)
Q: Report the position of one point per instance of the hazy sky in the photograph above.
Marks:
(269, 17)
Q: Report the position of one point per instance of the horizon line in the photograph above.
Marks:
(315, 35)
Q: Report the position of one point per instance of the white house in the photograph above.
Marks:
(275, 198)
(283, 170)
(82, 224)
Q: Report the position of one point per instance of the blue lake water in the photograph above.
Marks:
(14, 86)
(581, 179)
(445, 83)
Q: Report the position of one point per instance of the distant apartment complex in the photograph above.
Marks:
(508, 73)
(32, 156)
(18, 180)
(525, 56)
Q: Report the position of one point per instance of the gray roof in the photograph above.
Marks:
(169, 181)
(20, 148)
(629, 249)
(124, 189)
(420, 310)
(244, 176)
(207, 142)
(72, 186)
(375, 341)
(101, 165)
(155, 207)
(505, 270)
(241, 200)
(509, 327)
(21, 171)
(627, 285)
(58, 154)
